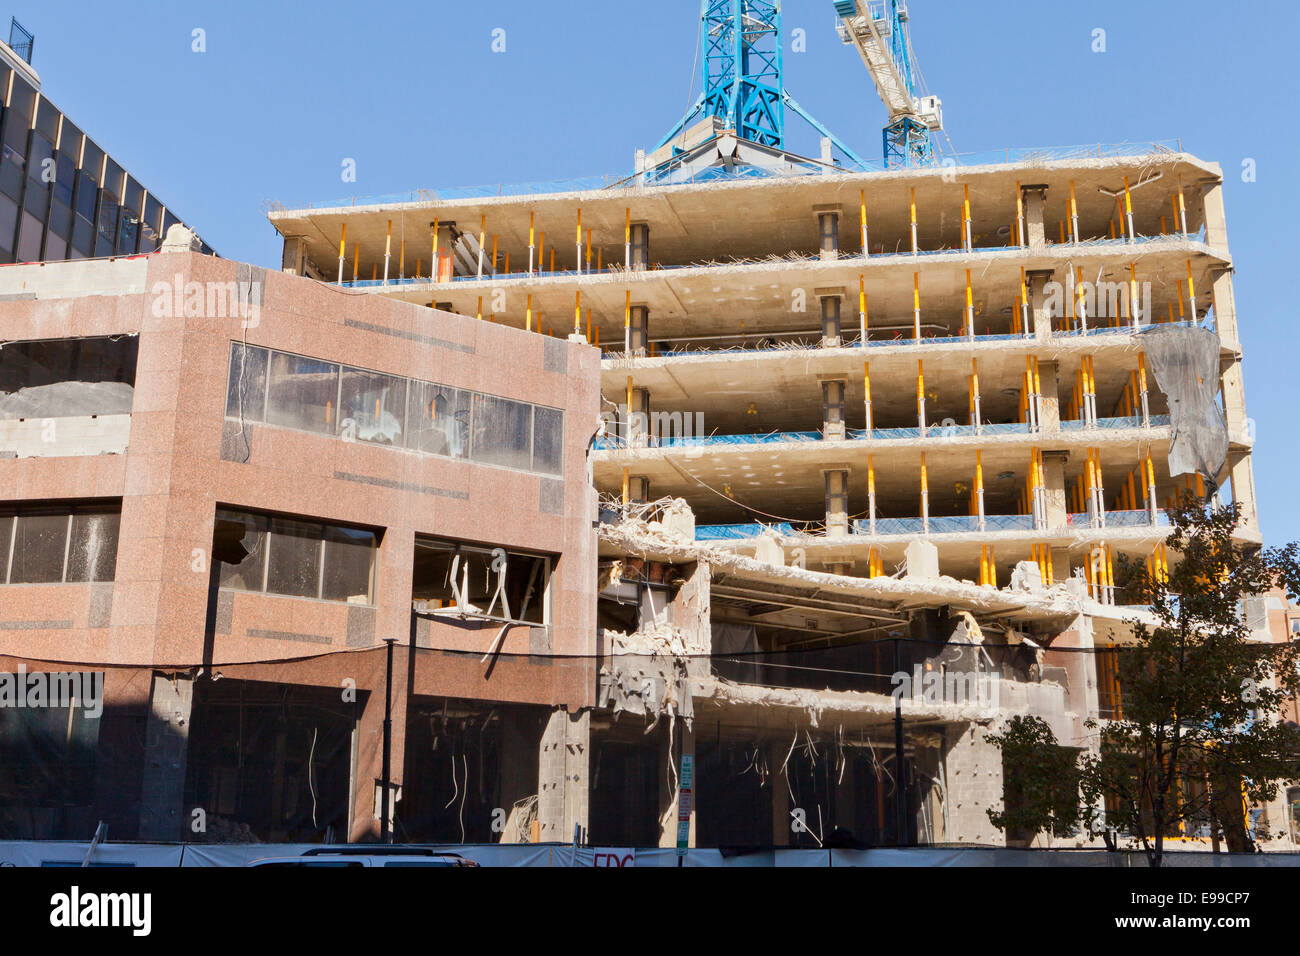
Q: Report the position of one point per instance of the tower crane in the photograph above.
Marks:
(878, 29)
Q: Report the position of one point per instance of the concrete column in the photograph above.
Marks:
(1216, 222)
(1035, 201)
(639, 330)
(446, 264)
(1039, 304)
(638, 489)
(828, 231)
(294, 259)
(365, 825)
(1233, 386)
(638, 419)
(669, 796)
(1225, 309)
(1054, 479)
(640, 246)
(1049, 402)
(831, 302)
(833, 425)
(1243, 493)
(562, 776)
(837, 502)
(163, 816)
(973, 768)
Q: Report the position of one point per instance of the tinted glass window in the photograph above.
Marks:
(92, 550)
(39, 544)
(294, 556)
(303, 393)
(246, 386)
(502, 432)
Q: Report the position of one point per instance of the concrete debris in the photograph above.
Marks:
(635, 536)
(1026, 576)
(647, 674)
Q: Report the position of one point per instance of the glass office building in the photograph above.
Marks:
(61, 195)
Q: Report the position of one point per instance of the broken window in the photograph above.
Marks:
(56, 544)
(67, 378)
(372, 407)
(438, 420)
(485, 582)
(294, 557)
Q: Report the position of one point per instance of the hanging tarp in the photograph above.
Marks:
(1185, 362)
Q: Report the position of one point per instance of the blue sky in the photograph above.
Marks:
(413, 92)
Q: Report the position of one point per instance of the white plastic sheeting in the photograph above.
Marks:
(1185, 363)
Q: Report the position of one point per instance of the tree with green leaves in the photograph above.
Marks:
(1199, 731)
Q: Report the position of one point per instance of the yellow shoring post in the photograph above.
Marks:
(1128, 209)
(862, 215)
(1164, 226)
(1020, 215)
(1074, 215)
(993, 569)
(577, 256)
(479, 314)
(967, 239)
(975, 393)
(970, 308)
(916, 306)
(871, 493)
(626, 483)
(343, 250)
(977, 495)
(920, 396)
(356, 259)
(401, 259)
(984, 565)
(925, 495)
(866, 396)
(419, 267)
(577, 312)
(495, 239)
(862, 308)
(552, 259)
(588, 325)
(541, 251)
(505, 266)
(532, 235)
(912, 205)
(528, 319)
(1191, 290)
(627, 239)
(589, 249)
